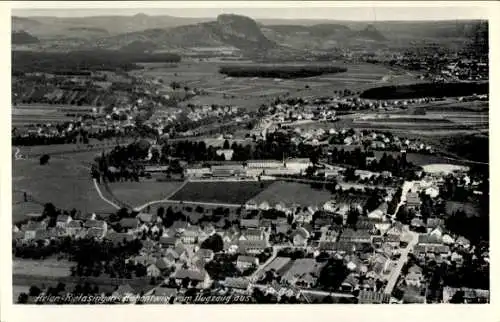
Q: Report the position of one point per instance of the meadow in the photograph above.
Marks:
(139, 193)
(220, 192)
(64, 182)
(293, 193)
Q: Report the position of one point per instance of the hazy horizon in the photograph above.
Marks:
(286, 13)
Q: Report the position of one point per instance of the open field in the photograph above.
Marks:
(293, 193)
(65, 183)
(105, 284)
(250, 92)
(223, 192)
(47, 267)
(24, 114)
(138, 193)
(77, 151)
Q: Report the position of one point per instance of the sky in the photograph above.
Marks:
(301, 10)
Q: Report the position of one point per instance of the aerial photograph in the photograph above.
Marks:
(250, 156)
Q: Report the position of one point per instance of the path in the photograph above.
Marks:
(102, 197)
(18, 155)
(166, 199)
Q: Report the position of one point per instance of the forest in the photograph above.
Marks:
(279, 71)
(111, 60)
(426, 90)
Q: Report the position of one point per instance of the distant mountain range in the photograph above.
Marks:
(145, 33)
(23, 38)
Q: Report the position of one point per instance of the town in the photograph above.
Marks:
(140, 183)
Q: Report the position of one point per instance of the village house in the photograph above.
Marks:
(350, 283)
(414, 276)
(153, 270)
(118, 238)
(166, 242)
(146, 218)
(124, 290)
(63, 220)
(200, 278)
(237, 284)
(470, 295)
(413, 200)
(252, 246)
(245, 262)
(358, 236)
(74, 227)
(250, 223)
(251, 205)
(253, 234)
(426, 239)
(191, 235)
(372, 297)
(205, 255)
(463, 242)
(300, 237)
(129, 224)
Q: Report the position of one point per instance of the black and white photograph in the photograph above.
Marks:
(250, 155)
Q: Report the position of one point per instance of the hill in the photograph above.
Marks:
(227, 30)
(56, 27)
(320, 36)
(22, 38)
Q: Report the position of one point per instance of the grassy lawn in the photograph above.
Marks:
(292, 192)
(65, 183)
(138, 193)
(223, 192)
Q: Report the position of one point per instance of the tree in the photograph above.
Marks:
(458, 297)
(22, 298)
(226, 144)
(214, 242)
(185, 282)
(352, 217)
(34, 291)
(44, 159)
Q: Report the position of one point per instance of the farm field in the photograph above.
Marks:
(94, 147)
(293, 193)
(220, 192)
(138, 193)
(65, 183)
(250, 92)
(25, 114)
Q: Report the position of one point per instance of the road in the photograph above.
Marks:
(396, 271)
(393, 277)
(255, 274)
(312, 292)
